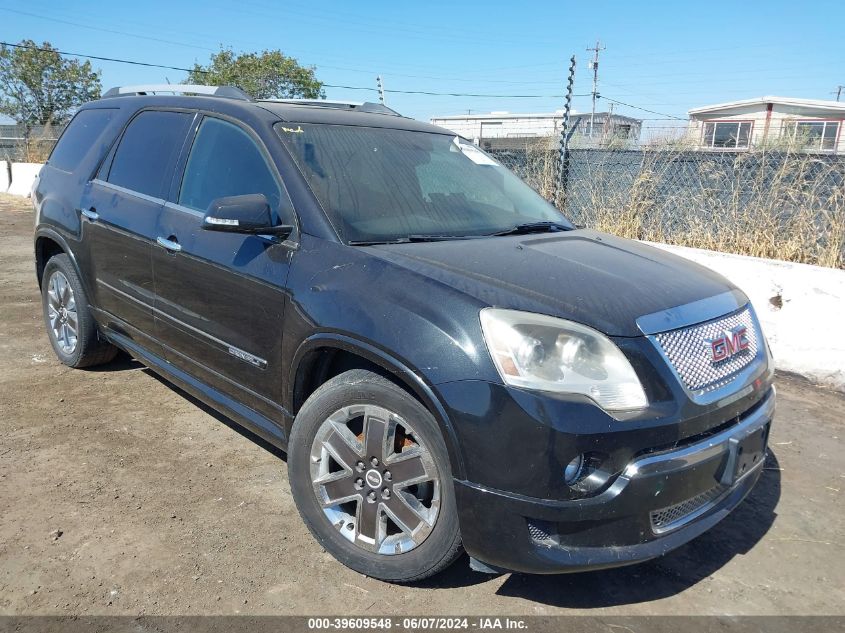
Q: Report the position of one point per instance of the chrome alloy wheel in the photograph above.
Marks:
(61, 312)
(374, 479)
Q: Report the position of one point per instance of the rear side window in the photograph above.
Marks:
(81, 135)
(225, 161)
(145, 158)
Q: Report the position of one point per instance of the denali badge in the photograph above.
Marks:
(731, 342)
(252, 360)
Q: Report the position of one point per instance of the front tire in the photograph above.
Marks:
(370, 475)
(70, 325)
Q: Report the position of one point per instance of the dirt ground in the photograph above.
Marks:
(121, 495)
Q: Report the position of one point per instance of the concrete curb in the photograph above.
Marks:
(4, 176)
(801, 308)
(23, 177)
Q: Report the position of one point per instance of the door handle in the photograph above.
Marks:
(170, 244)
(91, 214)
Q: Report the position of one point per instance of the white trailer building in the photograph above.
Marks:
(752, 122)
(501, 130)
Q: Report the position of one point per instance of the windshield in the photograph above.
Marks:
(387, 185)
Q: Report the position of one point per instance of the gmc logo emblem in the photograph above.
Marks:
(732, 342)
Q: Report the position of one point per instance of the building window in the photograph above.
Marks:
(816, 135)
(728, 134)
(622, 130)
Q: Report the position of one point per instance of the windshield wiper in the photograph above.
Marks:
(534, 227)
(439, 238)
(413, 238)
(401, 240)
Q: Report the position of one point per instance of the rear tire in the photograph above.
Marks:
(382, 526)
(70, 325)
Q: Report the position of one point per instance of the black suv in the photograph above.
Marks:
(449, 364)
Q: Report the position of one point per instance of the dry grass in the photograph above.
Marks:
(36, 148)
(777, 203)
(540, 170)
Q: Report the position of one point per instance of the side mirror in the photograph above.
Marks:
(243, 214)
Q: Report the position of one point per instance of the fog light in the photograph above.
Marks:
(574, 469)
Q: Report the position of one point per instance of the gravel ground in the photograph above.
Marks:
(122, 495)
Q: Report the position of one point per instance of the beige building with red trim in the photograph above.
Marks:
(738, 125)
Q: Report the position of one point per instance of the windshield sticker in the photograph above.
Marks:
(473, 153)
(290, 130)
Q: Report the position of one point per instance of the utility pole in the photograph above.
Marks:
(594, 66)
(380, 90)
(839, 90)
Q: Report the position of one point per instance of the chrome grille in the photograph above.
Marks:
(676, 515)
(688, 350)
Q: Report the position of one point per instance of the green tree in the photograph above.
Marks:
(40, 87)
(265, 75)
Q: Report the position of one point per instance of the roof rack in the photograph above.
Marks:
(229, 92)
(365, 106)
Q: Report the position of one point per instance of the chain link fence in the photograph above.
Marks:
(17, 144)
(781, 203)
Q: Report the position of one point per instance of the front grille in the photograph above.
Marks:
(676, 515)
(688, 350)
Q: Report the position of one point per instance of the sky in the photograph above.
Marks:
(659, 58)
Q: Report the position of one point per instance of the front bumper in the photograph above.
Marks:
(659, 502)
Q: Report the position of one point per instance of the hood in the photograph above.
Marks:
(585, 276)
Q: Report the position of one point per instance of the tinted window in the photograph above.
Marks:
(144, 159)
(81, 134)
(384, 184)
(225, 161)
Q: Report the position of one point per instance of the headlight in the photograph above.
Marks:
(540, 352)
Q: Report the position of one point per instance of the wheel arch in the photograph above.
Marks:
(49, 243)
(321, 354)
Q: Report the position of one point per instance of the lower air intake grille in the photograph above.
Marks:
(540, 530)
(675, 516)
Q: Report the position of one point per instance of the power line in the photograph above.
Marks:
(461, 94)
(638, 60)
(451, 94)
(105, 30)
(301, 53)
(105, 59)
(365, 88)
(345, 87)
(444, 78)
(375, 27)
(662, 114)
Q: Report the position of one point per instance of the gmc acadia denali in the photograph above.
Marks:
(448, 362)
